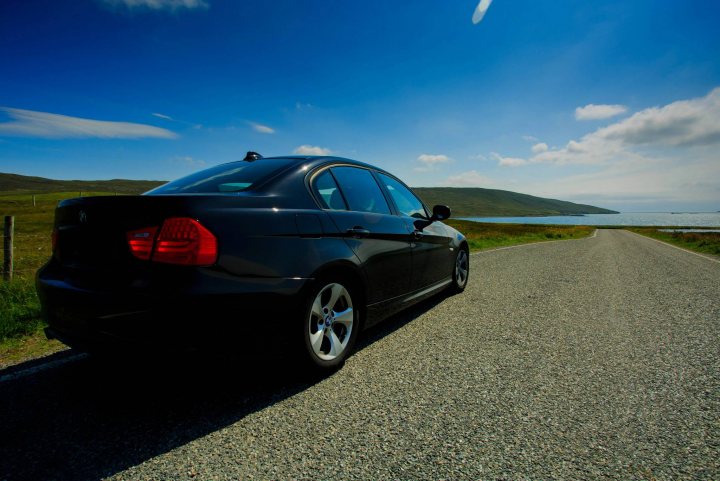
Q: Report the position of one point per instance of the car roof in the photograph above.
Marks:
(315, 160)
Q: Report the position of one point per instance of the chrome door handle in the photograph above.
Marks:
(358, 231)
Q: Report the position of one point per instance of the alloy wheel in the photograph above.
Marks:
(330, 323)
(462, 266)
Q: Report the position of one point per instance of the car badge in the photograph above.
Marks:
(83, 217)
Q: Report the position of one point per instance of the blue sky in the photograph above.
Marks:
(611, 103)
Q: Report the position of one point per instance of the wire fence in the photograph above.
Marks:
(23, 253)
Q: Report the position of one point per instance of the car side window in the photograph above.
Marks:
(360, 189)
(327, 191)
(404, 199)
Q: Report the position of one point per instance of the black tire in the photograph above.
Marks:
(330, 323)
(461, 271)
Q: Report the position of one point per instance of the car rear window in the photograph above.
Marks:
(225, 178)
(360, 190)
(327, 192)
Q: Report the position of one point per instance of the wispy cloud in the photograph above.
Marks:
(597, 112)
(312, 150)
(189, 161)
(471, 178)
(480, 11)
(162, 116)
(430, 162)
(529, 138)
(263, 129)
(173, 119)
(159, 4)
(29, 123)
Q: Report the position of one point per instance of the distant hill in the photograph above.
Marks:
(477, 202)
(19, 184)
(464, 202)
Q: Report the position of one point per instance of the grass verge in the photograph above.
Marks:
(21, 335)
(481, 235)
(702, 242)
(20, 309)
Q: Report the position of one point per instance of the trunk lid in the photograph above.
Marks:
(92, 231)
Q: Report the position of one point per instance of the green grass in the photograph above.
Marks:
(20, 310)
(482, 235)
(703, 242)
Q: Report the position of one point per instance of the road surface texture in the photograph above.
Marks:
(589, 359)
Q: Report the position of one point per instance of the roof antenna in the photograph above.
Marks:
(252, 156)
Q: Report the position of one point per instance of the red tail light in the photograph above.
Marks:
(141, 242)
(185, 241)
(181, 241)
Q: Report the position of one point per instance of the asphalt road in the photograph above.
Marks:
(590, 359)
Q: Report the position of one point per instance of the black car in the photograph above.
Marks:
(276, 253)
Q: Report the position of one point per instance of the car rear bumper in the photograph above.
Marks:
(173, 317)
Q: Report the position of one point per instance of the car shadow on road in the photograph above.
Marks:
(89, 419)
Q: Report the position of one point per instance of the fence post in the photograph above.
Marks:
(34, 205)
(8, 247)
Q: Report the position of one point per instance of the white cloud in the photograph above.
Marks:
(684, 123)
(263, 129)
(479, 157)
(658, 156)
(159, 4)
(480, 11)
(508, 161)
(312, 150)
(173, 119)
(596, 112)
(529, 138)
(471, 178)
(29, 123)
(189, 161)
(541, 147)
(431, 161)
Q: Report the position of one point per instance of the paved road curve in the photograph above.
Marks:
(591, 359)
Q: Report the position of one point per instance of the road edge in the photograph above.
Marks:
(594, 234)
(674, 246)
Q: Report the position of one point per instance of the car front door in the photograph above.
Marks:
(431, 244)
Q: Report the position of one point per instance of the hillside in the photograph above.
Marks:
(465, 202)
(477, 202)
(21, 184)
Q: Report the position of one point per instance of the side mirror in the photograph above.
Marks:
(440, 212)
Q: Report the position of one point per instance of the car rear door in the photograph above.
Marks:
(381, 241)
